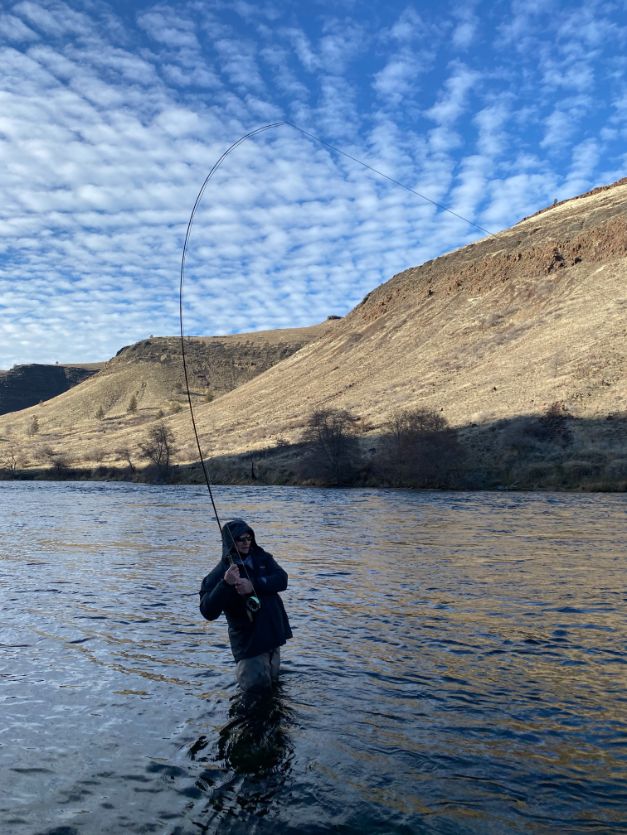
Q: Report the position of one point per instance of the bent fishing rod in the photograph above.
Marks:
(253, 604)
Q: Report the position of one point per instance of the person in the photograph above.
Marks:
(247, 570)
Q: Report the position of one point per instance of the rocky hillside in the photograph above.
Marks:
(26, 385)
(499, 329)
(152, 370)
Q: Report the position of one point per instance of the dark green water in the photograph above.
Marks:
(458, 664)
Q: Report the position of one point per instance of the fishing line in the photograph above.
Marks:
(214, 168)
(385, 176)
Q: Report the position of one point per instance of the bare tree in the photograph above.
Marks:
(58, 461)
(125, 453)
(9, 461)
(332, 451)
(159, 446)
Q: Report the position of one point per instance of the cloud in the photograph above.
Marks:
(238, 62)
(453, 99)
(178, 121)
(527, 191)
(464, 34)
(56, 18)
(526, 24)
(492, 122)
(397, 79)
(466, 27)
(579, 75)
(561, 125)
(585, 158)
(407, 28)
(14, 29)
(169, 29)
(110, 122)
(411, 56)
(339, 45)
(303, 49)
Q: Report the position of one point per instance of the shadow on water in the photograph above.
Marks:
(248, 764)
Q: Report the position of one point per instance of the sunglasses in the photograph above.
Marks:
(245, 538)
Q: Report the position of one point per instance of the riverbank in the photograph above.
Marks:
(517, 455)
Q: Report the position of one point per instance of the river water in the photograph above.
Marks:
(458, 664)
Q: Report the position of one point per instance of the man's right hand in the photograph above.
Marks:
(232, 575)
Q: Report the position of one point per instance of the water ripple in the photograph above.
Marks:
(457, 665)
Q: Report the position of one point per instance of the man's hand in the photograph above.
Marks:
(243, 586)
(232, 576)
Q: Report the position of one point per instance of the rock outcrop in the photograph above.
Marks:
(27, 385)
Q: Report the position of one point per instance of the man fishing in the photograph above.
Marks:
(245, 586)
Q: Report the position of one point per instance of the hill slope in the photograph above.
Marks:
(142, 383)
(500, 328)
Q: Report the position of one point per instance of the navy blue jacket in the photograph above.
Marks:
(269, 627)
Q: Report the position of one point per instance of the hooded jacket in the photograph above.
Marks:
(269, 627)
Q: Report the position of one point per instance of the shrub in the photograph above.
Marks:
(331, 447)
(419, 449)
(553, 426)
(33, 426)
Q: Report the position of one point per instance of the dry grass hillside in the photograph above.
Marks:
(144, 382)
(502, 328)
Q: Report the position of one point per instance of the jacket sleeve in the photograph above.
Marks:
(215, 594)
(274, 579)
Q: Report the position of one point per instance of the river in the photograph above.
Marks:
(458, 664)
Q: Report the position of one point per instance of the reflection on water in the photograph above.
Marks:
(457, 664)
(255, 749)
(255, 740)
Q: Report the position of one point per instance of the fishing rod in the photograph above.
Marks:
(253, 604)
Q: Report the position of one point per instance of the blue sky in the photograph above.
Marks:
(112, 114)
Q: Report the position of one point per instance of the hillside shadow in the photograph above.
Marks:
(552, 451)
(527, 452)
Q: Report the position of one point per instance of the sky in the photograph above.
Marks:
(112, 115)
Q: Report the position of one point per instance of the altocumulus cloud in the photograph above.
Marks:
(111, 115)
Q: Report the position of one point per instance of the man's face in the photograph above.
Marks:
(243, 543)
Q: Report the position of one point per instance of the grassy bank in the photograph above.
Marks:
(554, 451)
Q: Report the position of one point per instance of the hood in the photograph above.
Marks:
(231, 530)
